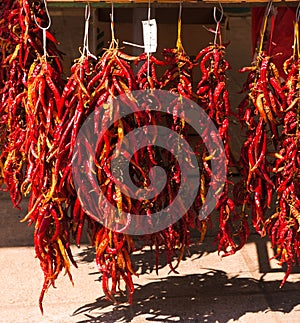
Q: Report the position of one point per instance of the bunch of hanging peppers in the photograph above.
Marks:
(269, 156)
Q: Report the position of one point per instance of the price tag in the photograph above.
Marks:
(150, 35)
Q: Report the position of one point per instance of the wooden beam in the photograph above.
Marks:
(169, 1)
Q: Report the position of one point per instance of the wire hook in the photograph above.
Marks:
(298, 12)
(269, 8)
(218, 21)
(180, 10)
(149, 11)
(112, 27)
(87, 15)
(221, 10)
(44, 29)
(48, 17)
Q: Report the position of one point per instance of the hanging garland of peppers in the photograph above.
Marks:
(177, 79)
(90, 85)
(283, 225)
(23, 40)
(269, 155)
(262, 112)
(213, 97)
(114, 77)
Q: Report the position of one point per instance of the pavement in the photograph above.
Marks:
(239, 288)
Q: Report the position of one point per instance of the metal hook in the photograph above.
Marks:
(112, 12)
(149, 10)
(180, 10)
(112, 27)
(86, 50)
(269, 8)
(298, 12)
(87, 13)
(217, 21)
(48, 17)
(44, 29)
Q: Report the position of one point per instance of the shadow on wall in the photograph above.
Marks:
(209, 297)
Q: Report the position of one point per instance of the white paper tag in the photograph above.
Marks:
(150, 35)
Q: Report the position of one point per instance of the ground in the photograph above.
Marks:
(239, 288)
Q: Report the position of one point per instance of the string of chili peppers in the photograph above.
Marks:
(44, 114)
(283, 226)
(30, 98)
(261, 112)
(213, 98)
(269, 107)
(23, 40)
(177, 78)
(112, 77)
